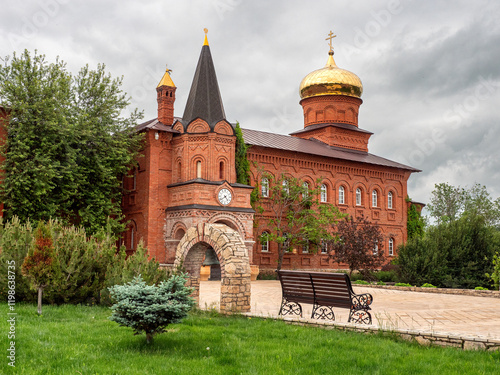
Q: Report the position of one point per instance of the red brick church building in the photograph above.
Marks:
(187, 176)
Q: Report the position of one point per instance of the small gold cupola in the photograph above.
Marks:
(165, 96)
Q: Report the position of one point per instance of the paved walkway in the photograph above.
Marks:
(391, 309)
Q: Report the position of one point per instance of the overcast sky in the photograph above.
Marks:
(430, 69)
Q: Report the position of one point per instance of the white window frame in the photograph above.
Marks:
(324, 193)
(305, 186)
(265, 245)
(324, 247)
(375, 249)
(286, 189)
(391, 246)
(358, 197)
(264, 189)
(341, 195)
(389, 200)
(374, 198)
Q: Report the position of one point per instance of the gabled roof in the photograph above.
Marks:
(155, 125)
(204, 100)
(305, 146)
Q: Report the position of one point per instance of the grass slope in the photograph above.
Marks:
(81, 340)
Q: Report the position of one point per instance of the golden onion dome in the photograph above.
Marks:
(331, 80)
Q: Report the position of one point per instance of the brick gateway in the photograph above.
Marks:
(234, 262)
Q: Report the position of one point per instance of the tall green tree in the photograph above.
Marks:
(297, 218)
(67, 142)
(449, 203)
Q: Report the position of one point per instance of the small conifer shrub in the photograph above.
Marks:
(149, 308)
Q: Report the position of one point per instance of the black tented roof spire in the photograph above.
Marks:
(204, 100)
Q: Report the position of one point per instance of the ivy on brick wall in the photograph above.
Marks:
(241, 160)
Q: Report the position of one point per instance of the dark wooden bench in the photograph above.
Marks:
(324, 291)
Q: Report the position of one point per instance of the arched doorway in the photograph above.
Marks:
(234, 262)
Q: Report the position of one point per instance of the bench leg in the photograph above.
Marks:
(360, 316)
(322, 312)
(290, 307)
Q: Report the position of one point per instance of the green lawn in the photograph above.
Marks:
(81, 340)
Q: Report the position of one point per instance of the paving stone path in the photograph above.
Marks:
(391, 309)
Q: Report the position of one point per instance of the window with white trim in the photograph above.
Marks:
(285, 187)
(324, 196)
(264, 242)
(305, 186)
(358, 197)
(264, 188)
(324, 247)
(375, 249)
(374, 198)
(341, 195)
(389, 200)
(391, 246)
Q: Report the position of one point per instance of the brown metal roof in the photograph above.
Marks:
(336, 125)
(155, 125)
(288, 143)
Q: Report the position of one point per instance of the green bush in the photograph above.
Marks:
(452, 254)
(84, 266)
(480, 288)
(427, 285)
(361, 282)
(149, 308)
(386, 276)
(123, 269)
(402, 284)
(15, 241)
(380, 283)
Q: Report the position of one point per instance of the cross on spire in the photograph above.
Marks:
(330, 37)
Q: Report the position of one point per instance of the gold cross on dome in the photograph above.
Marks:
(330, 37)
(167, 69)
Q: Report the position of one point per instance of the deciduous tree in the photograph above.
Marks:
(67, 142)
(359, 245)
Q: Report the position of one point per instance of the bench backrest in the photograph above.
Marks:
(329, 289)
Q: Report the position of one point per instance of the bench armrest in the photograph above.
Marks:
(362, 301)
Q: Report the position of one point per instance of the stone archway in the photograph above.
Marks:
(233, 258)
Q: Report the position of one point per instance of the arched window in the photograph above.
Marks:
(305, 193)
(132, 243)
(285, 187)
(264, 242)
(341, 195)
(179, 171)
(358, 197)
(375, 248)
(374, 198)
(198, 169)
(391, 246)
(134, 183)
(389, 200)
(221, 170)
(323, 194)
(264, 187)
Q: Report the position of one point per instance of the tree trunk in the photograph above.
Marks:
(280, 256)
(149, 337)
(40, 290)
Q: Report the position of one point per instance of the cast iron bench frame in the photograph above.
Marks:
(323, 290)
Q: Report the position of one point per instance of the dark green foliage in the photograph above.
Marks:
(451, 254)
(415, 223)
(149, 308)
(241, 160)
(67, 143)
(83, 266)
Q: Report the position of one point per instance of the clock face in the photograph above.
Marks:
(225, 197)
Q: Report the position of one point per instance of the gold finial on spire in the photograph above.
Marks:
(205, 43)
(330, 37)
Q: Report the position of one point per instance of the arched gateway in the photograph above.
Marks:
(233, 258)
